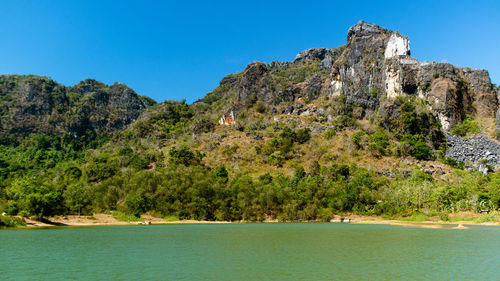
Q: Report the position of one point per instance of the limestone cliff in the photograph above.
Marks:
(39, 104)
(371, 71)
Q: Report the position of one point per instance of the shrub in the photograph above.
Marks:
(356, 139)
(329, 134)
(345, 121)
(35, 198)
(276, 158)
(444, 216)
(185, 156)
(379, 141)
(468, 127)
(125, 217)
(260, 107)
(221, 174)
(454, 163)
(202, 125)
(303, 135)
(418, 148)
(171, 218)
(426, 87)
(8, 221)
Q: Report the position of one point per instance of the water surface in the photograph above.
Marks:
(295, 251)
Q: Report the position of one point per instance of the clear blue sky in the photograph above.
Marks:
(181, 49)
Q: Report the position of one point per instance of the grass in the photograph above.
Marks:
(459, 219)
(416, 217)
(171, 218)
(476, 218)
(493, 217)
(125, 217)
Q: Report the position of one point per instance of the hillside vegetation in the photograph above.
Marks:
(305, 144)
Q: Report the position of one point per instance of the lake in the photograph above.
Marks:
(277, 251)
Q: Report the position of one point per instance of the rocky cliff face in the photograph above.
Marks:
(376, 58)
(371, 71)
(38, 104)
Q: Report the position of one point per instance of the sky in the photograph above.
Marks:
(173, 50)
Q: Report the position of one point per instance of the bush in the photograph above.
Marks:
(418, 148)
(329, 134)
(221, 174)
(277, 158)
(379, 141)
(260, 107)
(469, 126)
(185, 156)
(426, 87)
(454, 163)
(356, 139)
(345, 121)
(202, 125)
(8, 221)
(421, 151)
(303, 135)
(125, 217)
(444, 216)
(35, 198)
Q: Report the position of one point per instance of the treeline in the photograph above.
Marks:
(186, 189)
(151, 168)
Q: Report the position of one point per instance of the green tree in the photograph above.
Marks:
(185, 156)
(221, 174)
(77, 197)
(303, 135)
(35, 198)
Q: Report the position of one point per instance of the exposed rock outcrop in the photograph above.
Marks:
(377, 61)
(38, 104)
(473, 149)
(373, 67)
(227, 118)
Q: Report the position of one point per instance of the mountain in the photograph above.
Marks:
(371, 71)
(35, 104)
(361, 128)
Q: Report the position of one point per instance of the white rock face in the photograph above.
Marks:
(397, 46)
(336, 88)
(392, 83)
(227, 119)
(445, 123)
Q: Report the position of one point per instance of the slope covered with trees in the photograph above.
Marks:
(309, 141)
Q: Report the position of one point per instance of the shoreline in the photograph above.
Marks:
(109, 220)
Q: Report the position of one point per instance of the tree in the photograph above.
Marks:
(35, 198)
(303, 135)
(139, 203)
(77, 197)
(185, 156)
(221, 174)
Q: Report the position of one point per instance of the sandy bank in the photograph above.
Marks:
(107, 219)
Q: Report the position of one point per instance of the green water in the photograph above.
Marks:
(301, 251)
